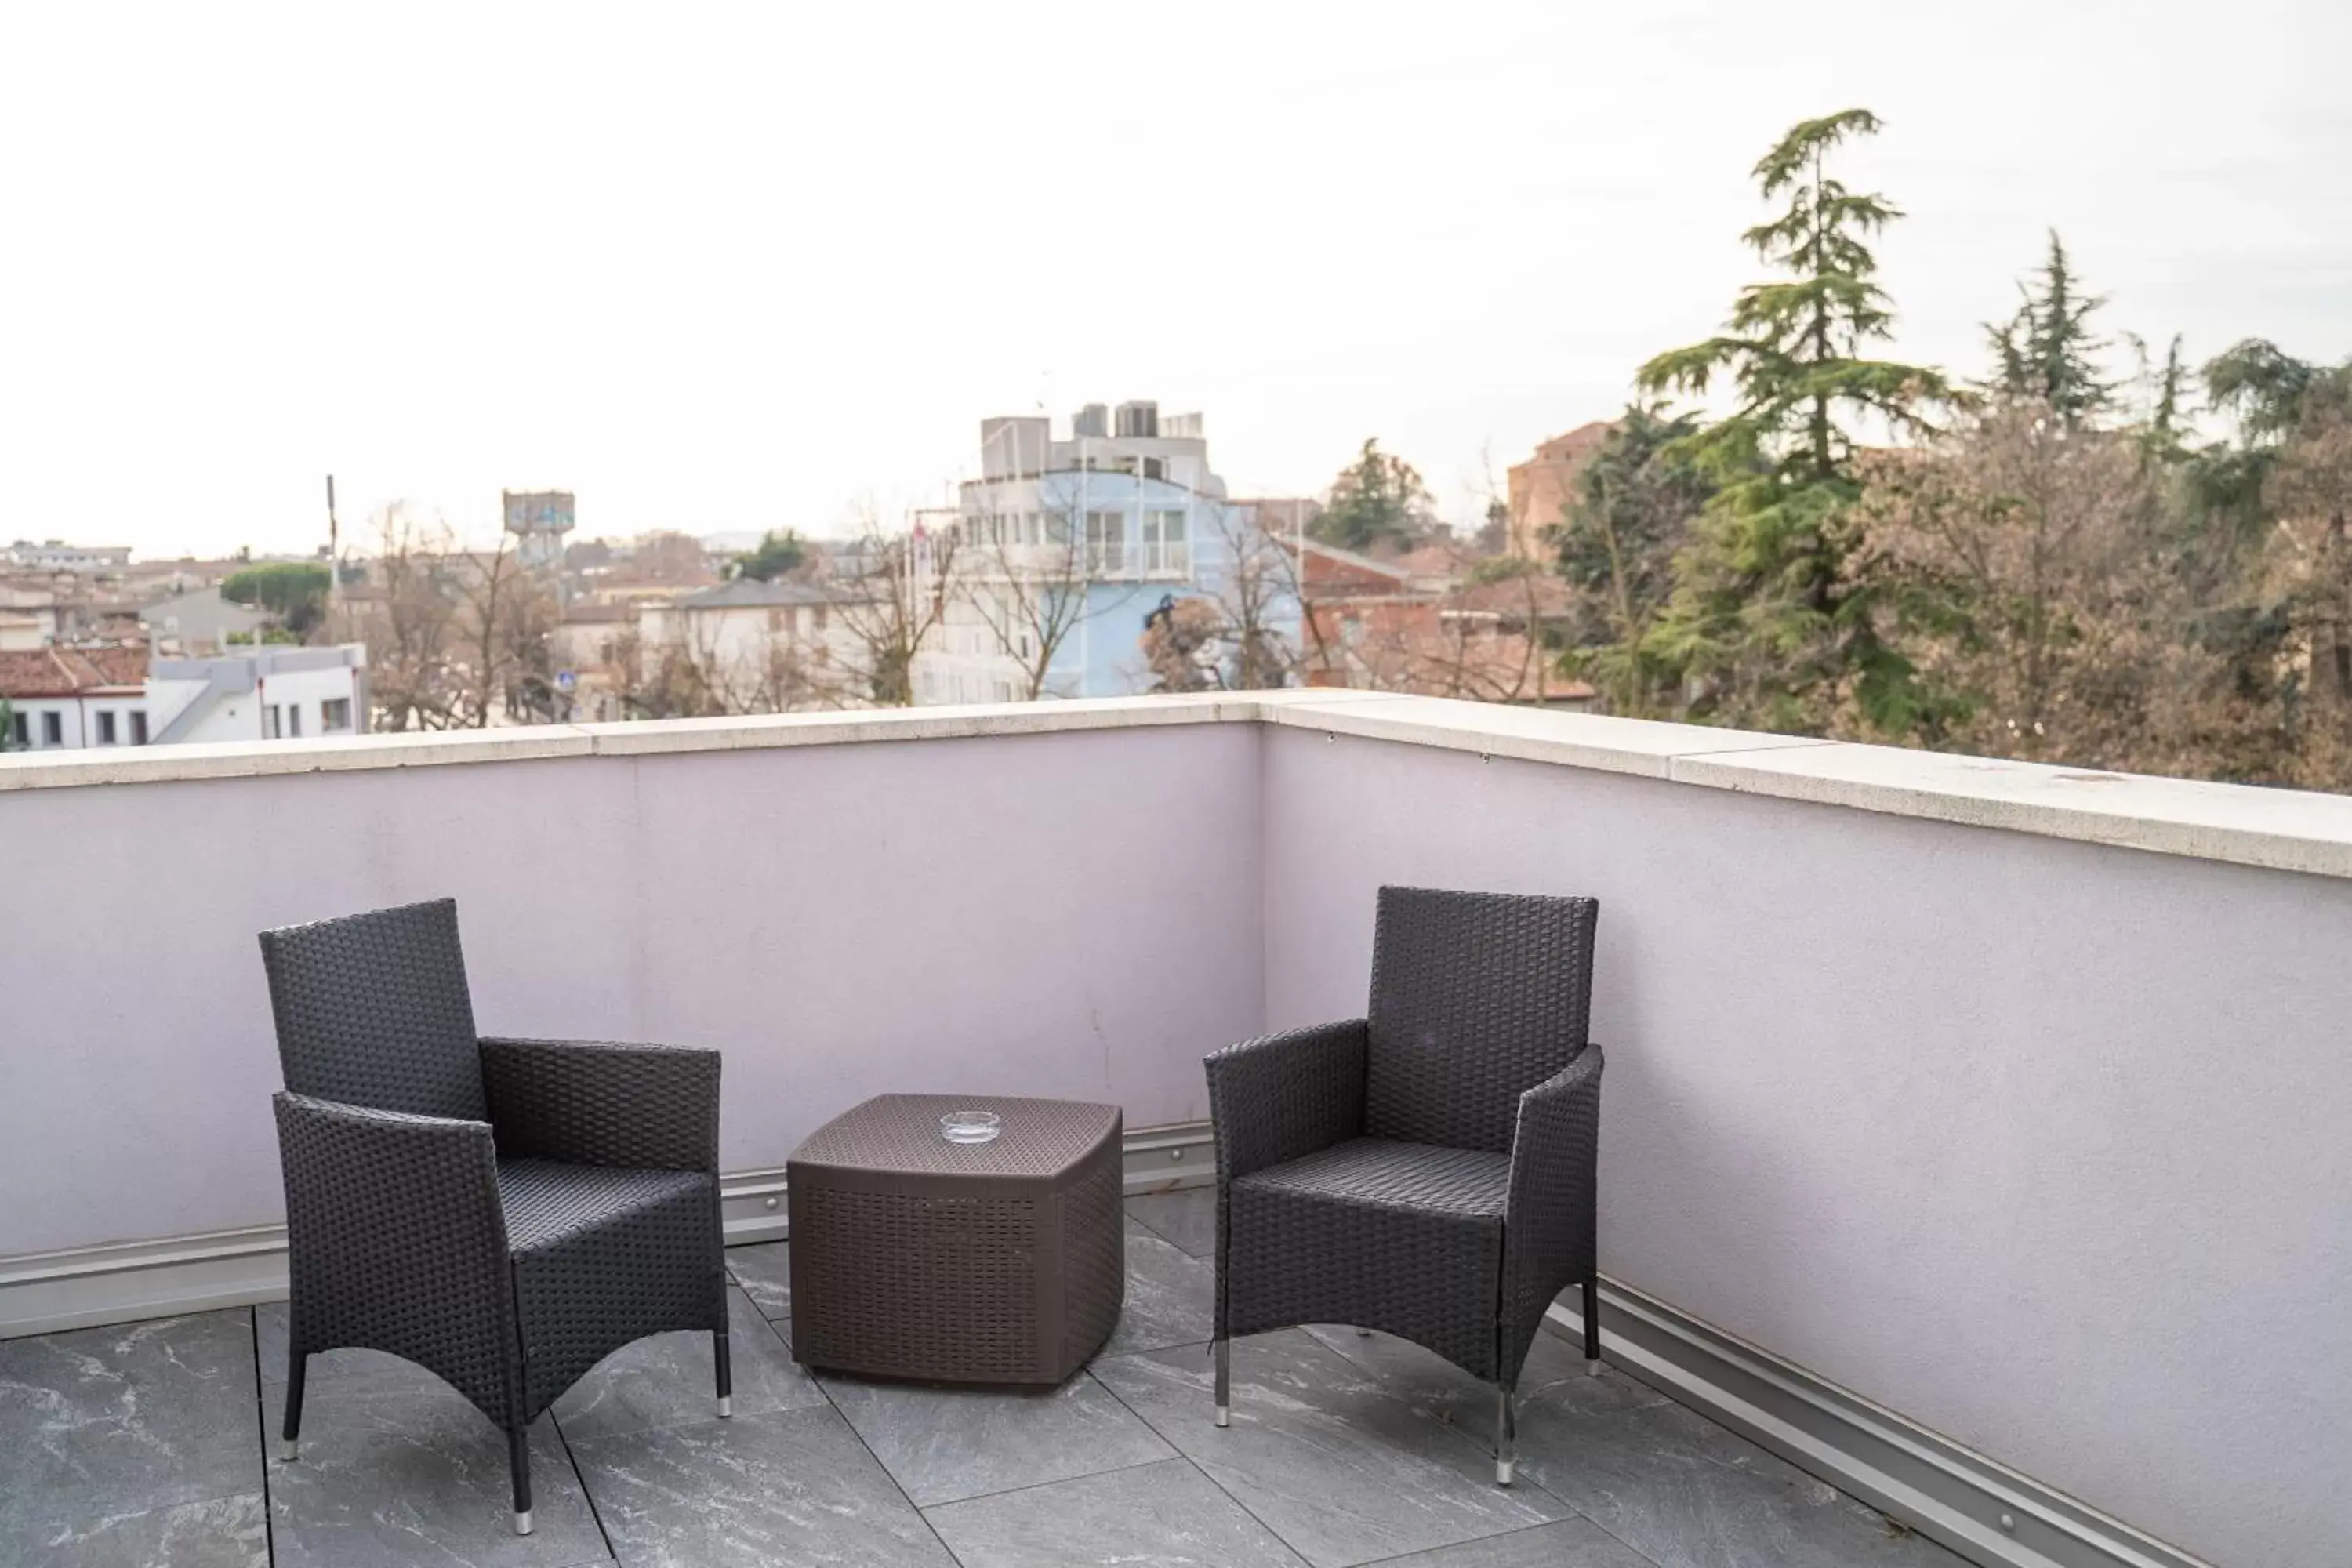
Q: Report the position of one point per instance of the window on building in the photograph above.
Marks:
(53, 729)
(1165, 547)
(1057, 528)
(269, 730)
(294, 719)
(335, 713)
(20, 724)
(1153, 468)
(1107, 541)
(139, 726)
(105, 727)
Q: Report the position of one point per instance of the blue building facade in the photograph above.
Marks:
(1067, 547)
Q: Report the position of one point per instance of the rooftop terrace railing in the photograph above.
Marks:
(2007, 1098)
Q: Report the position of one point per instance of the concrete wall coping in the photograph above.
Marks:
(2289, 830)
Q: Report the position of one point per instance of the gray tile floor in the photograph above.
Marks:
(143, 1445)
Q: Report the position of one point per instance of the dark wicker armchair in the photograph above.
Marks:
(1427, 1170)
(504, 1213)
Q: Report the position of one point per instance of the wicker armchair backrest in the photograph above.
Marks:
(373, 1010)
(1476, 998)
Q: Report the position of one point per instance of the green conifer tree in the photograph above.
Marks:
(2048, 351)
(1759, 628)
(1379, 499)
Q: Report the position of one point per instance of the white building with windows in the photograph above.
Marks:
(60, 698)
(753, 647)
(56, 555)
(1062, 547)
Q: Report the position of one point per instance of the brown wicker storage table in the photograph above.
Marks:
(913, 1257)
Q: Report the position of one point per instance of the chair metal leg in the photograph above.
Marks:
(518, 1459)
(289, 1437)
(1224, 1382)
(1506, 1434)
(720, 1358)
(1593, 1326)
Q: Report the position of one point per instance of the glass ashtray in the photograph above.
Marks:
(969, 1126)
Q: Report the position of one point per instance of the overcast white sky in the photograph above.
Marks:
(728, 268)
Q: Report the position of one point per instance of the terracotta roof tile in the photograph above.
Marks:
(68, 671)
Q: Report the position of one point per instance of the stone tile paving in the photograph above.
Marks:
(141, 1446)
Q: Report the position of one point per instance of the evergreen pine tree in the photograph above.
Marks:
(2165, 420)
(2048, 351)
(1377, 499)
(1759, 628)
(776, 555)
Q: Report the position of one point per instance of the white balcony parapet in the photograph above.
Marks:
(2281, 829)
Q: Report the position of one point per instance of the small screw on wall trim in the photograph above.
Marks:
(2008, 1521)
(767, 1202)
(1176, 1154)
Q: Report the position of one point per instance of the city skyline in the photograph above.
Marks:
(740, 274)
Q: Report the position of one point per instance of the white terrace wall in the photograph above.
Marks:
(1062, 914)
(2043, 1143)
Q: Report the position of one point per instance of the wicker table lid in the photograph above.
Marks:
(900, 1132)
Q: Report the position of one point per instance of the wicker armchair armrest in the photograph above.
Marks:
(396, 1240)
(1548, 1215)
(1286, 1095)
(593, 1103)
(1555, 1149)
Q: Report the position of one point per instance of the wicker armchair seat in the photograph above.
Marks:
(1356, 1209)
(1469, 1184)
(546, 1202)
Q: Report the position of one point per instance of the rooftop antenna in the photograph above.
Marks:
(334, 549)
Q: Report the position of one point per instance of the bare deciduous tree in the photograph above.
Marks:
(893, 594)
(452, 636)
(409, 617)
(2307, 567)
(1239, 636)
(2018, 563)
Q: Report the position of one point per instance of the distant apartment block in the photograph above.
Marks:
(56, 555)
(749, 647)
(1542, 488)
(1057, 553)
(117, 696)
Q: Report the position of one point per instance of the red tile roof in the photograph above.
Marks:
(70, 671)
